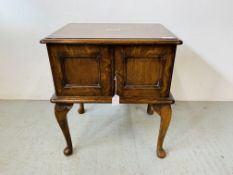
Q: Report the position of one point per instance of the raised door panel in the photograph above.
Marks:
(81, 70)
(144, 71)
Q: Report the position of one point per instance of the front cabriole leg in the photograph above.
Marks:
(165, 112)
(61, 111)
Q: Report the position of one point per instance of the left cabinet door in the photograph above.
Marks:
(81, 70)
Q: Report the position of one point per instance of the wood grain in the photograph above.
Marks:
(108, 99)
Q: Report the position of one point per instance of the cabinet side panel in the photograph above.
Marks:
(168, 72)
(54, 64)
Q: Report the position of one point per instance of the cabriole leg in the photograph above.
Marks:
(165, 113)
(61, 111)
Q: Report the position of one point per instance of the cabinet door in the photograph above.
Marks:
(81, 70)
(144, 71)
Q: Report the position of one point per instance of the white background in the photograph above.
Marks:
(204, 64)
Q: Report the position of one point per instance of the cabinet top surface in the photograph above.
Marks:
(107, 33)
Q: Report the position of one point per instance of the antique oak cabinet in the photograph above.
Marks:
(93, 62)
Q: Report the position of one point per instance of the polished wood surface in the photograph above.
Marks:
(108, 99)
(81, 70)
(92, 62)
(84, 33)
(144, 71)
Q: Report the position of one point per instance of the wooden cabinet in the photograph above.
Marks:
(92, 62)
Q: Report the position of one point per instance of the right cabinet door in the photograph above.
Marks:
(144, 71)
